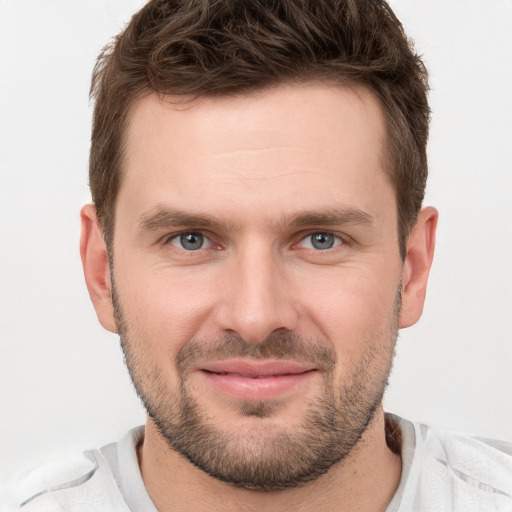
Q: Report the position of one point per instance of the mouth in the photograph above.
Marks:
(256, 380)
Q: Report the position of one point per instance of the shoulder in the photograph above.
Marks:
(502, 446)
(472, 472)
(475, 455)
(76, 484)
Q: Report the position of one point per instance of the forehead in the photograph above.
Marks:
(309, 144)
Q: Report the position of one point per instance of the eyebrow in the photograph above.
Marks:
(169, 217)
(330, 217)
(166, 217)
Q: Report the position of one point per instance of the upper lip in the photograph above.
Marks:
(256, 368)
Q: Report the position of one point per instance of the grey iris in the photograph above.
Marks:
(322, 241)
(192, 241)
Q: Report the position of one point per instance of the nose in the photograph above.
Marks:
(256, 296)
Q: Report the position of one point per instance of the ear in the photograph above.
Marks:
(95, 264)
(416, 268)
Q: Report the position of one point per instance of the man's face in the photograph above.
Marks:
(257, 277)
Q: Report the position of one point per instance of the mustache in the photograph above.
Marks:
(280, 346)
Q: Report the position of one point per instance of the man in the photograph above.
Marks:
(257, 240)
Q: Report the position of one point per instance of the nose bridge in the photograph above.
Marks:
(257, 301)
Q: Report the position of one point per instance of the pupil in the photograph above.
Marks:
(192, 241)
(322, 240)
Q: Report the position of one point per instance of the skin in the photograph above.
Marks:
(311, 148)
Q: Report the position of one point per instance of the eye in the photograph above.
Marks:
(190, 241)
(321, 241)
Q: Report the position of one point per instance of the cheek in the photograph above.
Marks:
(352, 309)
(358, 321)
(162, 309)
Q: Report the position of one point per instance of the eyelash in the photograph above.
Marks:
(168, 239)
(337, 242)
(341, 240)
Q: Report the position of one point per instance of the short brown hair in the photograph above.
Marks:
(226, 47)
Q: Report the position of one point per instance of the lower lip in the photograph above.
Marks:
(262, 388)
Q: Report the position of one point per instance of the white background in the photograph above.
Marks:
(62, 381)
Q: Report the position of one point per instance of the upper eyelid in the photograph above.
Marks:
(296, 239)
(175, 234)
(342, 236)
(167, 242)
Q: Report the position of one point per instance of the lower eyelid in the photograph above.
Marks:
(338, 239)
(207, 242)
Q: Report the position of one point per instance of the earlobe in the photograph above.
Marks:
(94, 256)
(416, 268)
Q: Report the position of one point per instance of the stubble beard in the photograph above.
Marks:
(264, 458)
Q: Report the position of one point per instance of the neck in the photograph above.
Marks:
(365, 480)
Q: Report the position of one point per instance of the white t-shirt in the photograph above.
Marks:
(442, 471)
